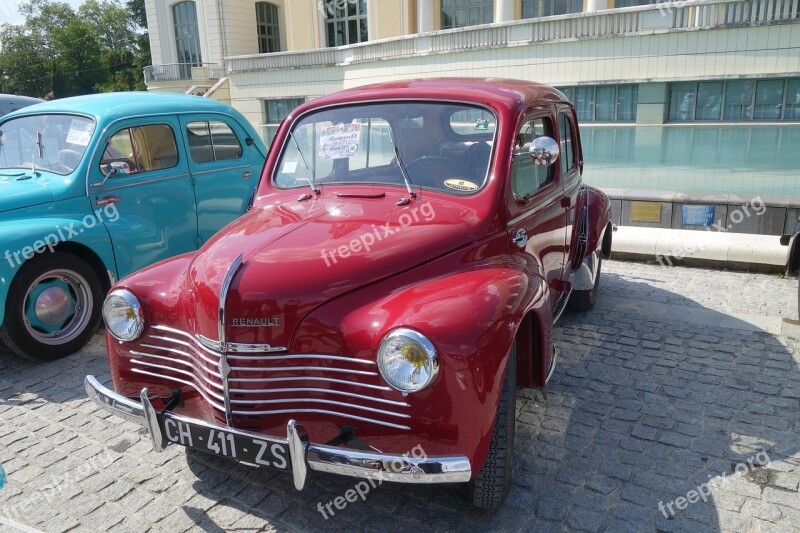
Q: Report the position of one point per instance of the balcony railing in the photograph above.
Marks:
(182, 72)
(666, 16)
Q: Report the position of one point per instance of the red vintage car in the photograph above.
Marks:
(396, 279)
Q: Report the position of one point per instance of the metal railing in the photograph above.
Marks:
(665, 16)
(181, 72)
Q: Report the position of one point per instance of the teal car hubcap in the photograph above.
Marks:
(58, 307)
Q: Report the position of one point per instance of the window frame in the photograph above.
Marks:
(724, 101)
(268, 9)
(572, 171)
(572, 91)
(137, 149)
(533, 4)
(526, 203)
(209, 132)
(333, 18)
(193, 41)
(274, 124)
(451, 10)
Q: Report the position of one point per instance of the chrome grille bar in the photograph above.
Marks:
(324, 412)
(200, 391)
(324, 391)
(312, 378)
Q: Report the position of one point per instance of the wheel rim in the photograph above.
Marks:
(58, 306)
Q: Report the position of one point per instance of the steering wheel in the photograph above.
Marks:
(69, 159)
(433, 169)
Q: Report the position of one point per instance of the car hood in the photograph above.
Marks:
(19, 189)
(299, 255)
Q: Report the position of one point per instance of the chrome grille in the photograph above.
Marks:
(333, 385)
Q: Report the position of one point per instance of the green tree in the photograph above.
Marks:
(80, 67)
(58, 52)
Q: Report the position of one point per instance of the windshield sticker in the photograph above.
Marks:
(80, 132)
(339, 142)
(482, 125)
(461, 185)
(290, 167)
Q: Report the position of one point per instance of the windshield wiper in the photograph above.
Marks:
(400, 164)
(313, 179)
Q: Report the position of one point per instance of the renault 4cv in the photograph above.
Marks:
(397, 278)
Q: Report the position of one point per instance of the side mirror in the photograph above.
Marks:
(112, 168)
(544, 151)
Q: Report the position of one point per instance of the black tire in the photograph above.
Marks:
(582, 301)
(489, 488)
(75, 315)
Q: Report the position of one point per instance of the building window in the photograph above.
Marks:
(187, 36)
(546, 8)
(634, 3)
(460, 13)
(269, 37)
(604, 103)
(277, 110)
(346, 22)
(735, 100)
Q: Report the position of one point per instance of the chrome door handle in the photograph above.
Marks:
(520, 238)
(246, 174)
(111, 199)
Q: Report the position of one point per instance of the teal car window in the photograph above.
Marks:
(143, 148)
(52, 142)
(212, 141)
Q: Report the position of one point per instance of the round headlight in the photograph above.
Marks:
(123, 315)
(407, 360)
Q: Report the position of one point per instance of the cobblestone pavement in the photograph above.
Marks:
(652, 399)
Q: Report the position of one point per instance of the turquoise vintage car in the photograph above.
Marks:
(95, 187)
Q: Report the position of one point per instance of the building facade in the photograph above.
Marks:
(632, 61)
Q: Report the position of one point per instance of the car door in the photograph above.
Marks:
(147, 203)
(538, 224)
(224, 168)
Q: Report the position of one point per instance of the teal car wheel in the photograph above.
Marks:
(53, 307)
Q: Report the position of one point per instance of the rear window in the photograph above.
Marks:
(473, 121)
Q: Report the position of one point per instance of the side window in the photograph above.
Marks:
(527, 177)
(212, 141)
(567, 145)
(143, 148)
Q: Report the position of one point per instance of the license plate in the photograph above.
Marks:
(224, 443)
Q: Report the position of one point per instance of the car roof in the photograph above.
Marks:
(112, 106)
(513, 94)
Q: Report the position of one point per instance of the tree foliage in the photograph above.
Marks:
(59, 52)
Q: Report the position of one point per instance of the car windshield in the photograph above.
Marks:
(441, 146)
(53, 142)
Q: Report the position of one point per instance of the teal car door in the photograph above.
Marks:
(147, 200)
(225, 164)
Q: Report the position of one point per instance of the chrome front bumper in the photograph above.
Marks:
(303, 454)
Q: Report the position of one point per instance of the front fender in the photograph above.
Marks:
(471, 317)
(599, 219)
(22, 237)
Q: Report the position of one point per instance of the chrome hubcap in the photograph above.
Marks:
(58, 306)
